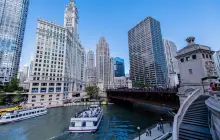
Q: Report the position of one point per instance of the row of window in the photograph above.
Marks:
(25, 114)
(195, 57)
(50, 99)
(50, 84)
(43, 90)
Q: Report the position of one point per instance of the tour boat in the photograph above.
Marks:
(18, 115)
(88, 120)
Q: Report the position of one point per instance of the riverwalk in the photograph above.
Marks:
(156, 134)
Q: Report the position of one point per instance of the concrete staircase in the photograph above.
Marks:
(195, 122)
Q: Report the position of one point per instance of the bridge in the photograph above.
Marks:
(159, 97)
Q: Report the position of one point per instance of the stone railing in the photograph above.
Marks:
(182, 110)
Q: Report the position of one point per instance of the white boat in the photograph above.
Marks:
(88, 120)
(18, 115)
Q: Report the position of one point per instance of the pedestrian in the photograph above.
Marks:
(150, 132)
(170, 123)
(158, 126)
(147, 132)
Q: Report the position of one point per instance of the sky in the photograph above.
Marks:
(113, 19)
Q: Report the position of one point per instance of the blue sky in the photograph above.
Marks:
(114, 18)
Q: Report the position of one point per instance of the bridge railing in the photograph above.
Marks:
(146, 89)
(182, 110)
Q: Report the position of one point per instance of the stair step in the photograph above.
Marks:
(196, 114)
(201, 105)
(195, 124)
(196, 121)
(193, 137)
(196, 118)
(194, 133)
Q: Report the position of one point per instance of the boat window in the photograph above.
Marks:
(32, 112)
(7, 117)
(95, 123)
(29, 113)
(26, 113)
(42, 110)
(37, 111)
(12, 117)
(16, 116)
(23, 114)
(20, 115)
(72, 124)
(84, 124)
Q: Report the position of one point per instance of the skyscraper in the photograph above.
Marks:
(90, 69)
(170, 51)
(25, 72)
(58, 67)
(119, 67)
(111, 73)
(102, 62)
(31, 67)
(13, 16)
(146, 53)
(217, 61)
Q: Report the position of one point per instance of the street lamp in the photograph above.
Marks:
(138, 128)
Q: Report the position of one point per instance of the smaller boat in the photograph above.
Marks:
(18, 115)
(88, 120)
(5, 110)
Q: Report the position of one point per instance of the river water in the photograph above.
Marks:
(118, 123)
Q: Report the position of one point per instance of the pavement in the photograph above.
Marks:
(156, 133)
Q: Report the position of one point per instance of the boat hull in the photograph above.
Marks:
(22, 118)
(85, 129)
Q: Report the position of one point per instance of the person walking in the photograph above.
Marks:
(147, 132)
(150, 132)
(158, 127)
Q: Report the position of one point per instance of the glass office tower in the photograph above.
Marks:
(119, 67)
(13, 16)
(146, 53)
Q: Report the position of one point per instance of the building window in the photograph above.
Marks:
(182, 59)
(42, 96)
(210, 56)
(207, 56)
(35, 84)
(34, 89)
(32, 100)
(33, 96)
(50, 95)
(43, 84)
(187, 58)
(50, 99)
(190, 71)
(194, 57)
(203, 55)
(43, 90)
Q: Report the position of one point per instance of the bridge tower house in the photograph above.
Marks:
(195, 62)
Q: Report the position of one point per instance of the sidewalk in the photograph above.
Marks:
(156, 133)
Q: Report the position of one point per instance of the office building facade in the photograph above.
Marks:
(146, 53)
(13, 16)
(170, 51)
(119, 67)
(58, 67)
(90, 69)
(102, 62)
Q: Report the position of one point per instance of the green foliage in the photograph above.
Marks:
(16, 98)
(92, 92)
(2, 98)
(140, 85)
(12, 85)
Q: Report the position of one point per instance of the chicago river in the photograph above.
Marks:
(118, 123)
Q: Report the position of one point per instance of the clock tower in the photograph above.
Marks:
(71, 18)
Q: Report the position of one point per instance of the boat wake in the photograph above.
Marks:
(61, 134)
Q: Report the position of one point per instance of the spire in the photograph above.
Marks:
(72, 1)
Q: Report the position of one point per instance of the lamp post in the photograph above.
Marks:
(138, 128)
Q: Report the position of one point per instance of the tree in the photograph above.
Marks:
(12, 85)
(16, 98)
(92, 92)
(2, 98)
